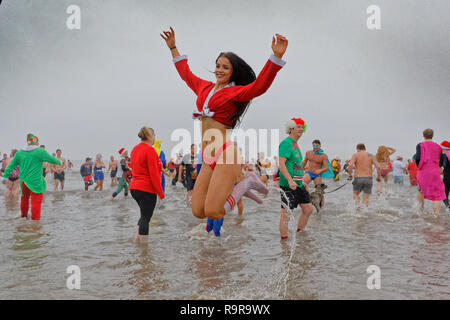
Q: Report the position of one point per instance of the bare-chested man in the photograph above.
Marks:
(113, 168)
(59, 174)
(363, 163)
(316, 161)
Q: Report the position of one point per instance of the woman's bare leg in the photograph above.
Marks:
(225, 175)
(16, 189)
(420, 199)
(436, 206)
(8, 189)
(220, 187)
(200, 190)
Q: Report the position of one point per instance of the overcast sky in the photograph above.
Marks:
(89, 91)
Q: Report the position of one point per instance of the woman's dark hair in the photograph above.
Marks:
(242, 75)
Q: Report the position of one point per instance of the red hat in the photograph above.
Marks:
(445, 144)
(290, 124)
(31, 139)
(123, 150)
(298, 121)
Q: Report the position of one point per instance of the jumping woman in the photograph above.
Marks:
(220, 107)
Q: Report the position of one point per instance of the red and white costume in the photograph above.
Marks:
(221, 105)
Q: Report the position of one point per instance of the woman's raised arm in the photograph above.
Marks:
(267, 74)
(169, 37)
(194, 82)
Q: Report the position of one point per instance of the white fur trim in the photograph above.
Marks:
(179, 58)
(30, 148)
(290, 124)
(277, 60)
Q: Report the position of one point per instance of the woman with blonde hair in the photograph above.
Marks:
(382, 156)
(146, 182)
(99, 176)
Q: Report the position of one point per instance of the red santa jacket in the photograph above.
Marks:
(221, 105)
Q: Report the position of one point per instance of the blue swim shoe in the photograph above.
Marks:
(209, 224)
(217, 226)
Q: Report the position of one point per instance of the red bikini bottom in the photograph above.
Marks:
(212, 161)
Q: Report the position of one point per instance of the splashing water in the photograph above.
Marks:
(293, 230)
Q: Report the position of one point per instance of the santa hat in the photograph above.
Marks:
(32, 139)
(122, 151)
(291, 124)
(445, 145)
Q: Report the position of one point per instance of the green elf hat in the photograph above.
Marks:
(32, 139)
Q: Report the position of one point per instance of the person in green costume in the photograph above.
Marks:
(294, 191)
(32, 184)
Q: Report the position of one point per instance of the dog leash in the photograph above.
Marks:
(337, 188)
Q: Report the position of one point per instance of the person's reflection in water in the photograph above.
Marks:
(58, 197)
(12, 204)
(146, 275)
(214, 266)
(430, 261)
(27, 235)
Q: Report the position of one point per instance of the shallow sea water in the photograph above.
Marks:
(328, 260)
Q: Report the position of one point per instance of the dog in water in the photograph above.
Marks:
(317, 196)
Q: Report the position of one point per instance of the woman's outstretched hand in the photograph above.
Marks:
(169, 37)
(279, 46)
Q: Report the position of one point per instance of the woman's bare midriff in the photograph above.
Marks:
(213, 125)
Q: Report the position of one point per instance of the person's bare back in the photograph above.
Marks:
(363, 163)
